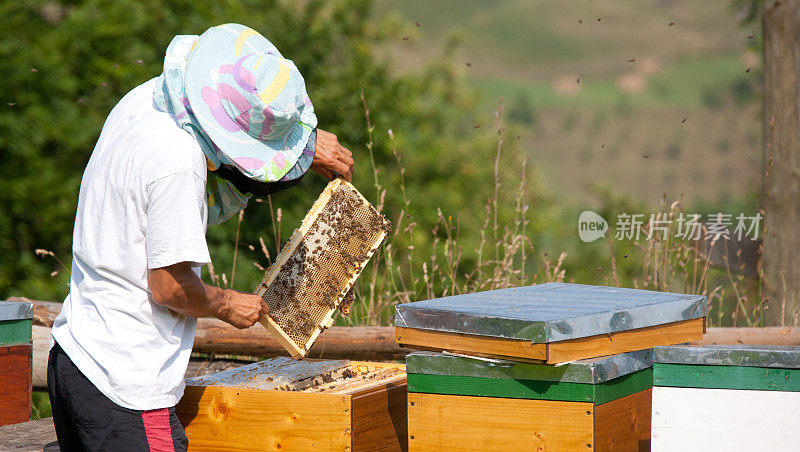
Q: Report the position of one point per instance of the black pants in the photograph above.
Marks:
(85, 419)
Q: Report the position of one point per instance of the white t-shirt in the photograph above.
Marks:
(141, 206)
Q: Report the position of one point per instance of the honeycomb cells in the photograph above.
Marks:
(318, 274)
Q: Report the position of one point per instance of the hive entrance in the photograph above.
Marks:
(314, 273)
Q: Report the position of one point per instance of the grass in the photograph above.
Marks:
(40, 405)
(407, 268)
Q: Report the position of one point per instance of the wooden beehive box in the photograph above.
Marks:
(726, 397)
(314, 273)
(309, 405)
(551, 323)
(459, 403)
(15, 361)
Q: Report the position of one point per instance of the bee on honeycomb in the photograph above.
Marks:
(314, 274)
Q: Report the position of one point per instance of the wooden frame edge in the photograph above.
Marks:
(397, 380)
(538, 351)
(556, 355)
(551, 353)
(294, 349)
(282, 337)
(328, 317)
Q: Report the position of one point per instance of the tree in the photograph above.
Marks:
(65, 64)
(781, 195)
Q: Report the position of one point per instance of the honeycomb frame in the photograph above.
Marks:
(292, 256)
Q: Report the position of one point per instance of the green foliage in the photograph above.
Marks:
(40, 405)
(66, 64)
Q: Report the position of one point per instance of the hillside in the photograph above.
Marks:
(645, 97)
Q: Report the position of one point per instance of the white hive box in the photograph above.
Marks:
(726, 398)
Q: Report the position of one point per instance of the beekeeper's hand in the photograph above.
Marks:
(331, 158)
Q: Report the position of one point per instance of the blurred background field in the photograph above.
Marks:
(613, 106)
(643, 68)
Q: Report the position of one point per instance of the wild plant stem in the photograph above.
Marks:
(236, 246)
(274, 227)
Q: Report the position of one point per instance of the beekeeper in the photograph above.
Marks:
(229, 117)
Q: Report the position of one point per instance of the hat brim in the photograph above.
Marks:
(265, 161)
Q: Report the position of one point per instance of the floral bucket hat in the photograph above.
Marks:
(246, 105)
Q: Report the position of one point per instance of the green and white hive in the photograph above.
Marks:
(726, 398)
(457, 402)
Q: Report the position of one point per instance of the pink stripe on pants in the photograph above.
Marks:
(158, 430)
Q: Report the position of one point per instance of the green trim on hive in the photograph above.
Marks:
(16, 331)
(726, 377)
(532, 389)
(624, 386)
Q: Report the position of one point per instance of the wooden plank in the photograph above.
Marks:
(725, 420)
(218, 419)
(554, 352)
(380, 420)
(15, 383)
(470, 343)
(625, 341)
(277, 332)
(17, 331)
(375, 380)
(41, 353)
(390, 382)
(217, 337)
(460, 423)
(532, 389)
(371, 365)
(480, 355)
(726, 377)
(361, 342)
(624, 424)
(774, 335)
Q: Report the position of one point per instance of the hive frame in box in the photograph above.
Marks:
(367, 418)
(299, 351)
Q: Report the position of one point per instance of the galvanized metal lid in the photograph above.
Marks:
(778, 356)
(13, 310)
(550, 312)
(591, 371)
